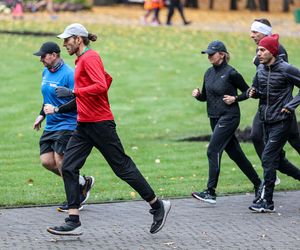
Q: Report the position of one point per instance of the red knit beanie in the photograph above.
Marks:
(270, 43)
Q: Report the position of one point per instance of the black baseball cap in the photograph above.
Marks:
(215, 46)
(48, 48)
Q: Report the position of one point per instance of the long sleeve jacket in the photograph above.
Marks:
(219, 81)
(91, 88)
(274, 87)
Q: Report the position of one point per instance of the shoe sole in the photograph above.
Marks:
(261, 210)
(167, 208)
(88, 193)
(210, 201)
(76, 232)
(67, 210)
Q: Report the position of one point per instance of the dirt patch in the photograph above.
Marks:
(28, 33)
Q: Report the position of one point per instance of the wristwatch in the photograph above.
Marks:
(56, 109)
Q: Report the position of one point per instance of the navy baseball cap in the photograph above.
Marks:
(215, 46)
(48, 48)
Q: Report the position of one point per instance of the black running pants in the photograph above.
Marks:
(103, 136)
(273, 157)
(223, 138)
(257, 135)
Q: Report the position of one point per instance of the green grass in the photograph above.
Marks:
(154, 71)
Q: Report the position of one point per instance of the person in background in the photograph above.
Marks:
(273, 85)
(96, 128)
(220, 92)
(59, 126)
(178, 5)
(152, 6)
(17, 12)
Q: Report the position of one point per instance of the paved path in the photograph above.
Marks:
(191, 225)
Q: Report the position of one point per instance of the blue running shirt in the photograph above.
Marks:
(50, 80)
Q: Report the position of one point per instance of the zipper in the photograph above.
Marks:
(268, 89)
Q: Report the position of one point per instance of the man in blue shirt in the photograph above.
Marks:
(59, 126)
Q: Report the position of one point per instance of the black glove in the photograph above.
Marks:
(63, 92)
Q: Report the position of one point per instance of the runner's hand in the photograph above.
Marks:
(285, 110)
(49, 109)
(63, 92)
(196, 92)
(229, 99)
(38, 122)
(251, 92)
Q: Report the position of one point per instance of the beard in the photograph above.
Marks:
(48, 66)
(72, 50)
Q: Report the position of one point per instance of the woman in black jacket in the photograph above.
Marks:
(221, 82)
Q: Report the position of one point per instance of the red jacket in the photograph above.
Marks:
(91, 88)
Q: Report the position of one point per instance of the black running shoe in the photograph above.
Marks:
(69, 228)
(85, 190)
(206, 195)
(262, 206)
(160, 216)
(64, 207)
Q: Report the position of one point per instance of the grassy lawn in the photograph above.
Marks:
(154, 71)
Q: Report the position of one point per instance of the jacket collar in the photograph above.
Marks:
(277, 61)
(220, 66)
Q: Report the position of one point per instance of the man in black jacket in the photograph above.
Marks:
(273, 84)
(261, 28)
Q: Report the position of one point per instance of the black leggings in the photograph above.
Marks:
(223, 138)
(104, 137)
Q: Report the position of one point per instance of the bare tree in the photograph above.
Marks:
(233, 5)
(286, 5)
(264, 5)
(251, 5)
(192, 4)
(211, 4)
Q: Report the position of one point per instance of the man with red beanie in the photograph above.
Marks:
(273, 85)
(261, 28)
(271, 44)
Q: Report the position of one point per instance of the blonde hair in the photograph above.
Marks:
(226, 56)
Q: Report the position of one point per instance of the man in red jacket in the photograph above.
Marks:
(96, 128)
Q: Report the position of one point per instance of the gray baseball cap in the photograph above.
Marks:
(74, 29)
(215, 46)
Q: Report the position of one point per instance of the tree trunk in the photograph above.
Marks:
(264, 5)
(191, 4)
(211, 4)
(233, 5)
(286, 5)
(251, 5)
